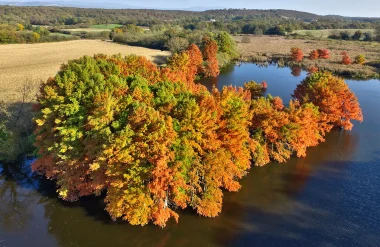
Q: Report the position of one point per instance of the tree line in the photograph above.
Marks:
(155, 141)
(231, 20)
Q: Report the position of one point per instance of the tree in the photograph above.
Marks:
(210, 50)
(226, 44)
(324, 53)
(152, 144)
(196, 61)
(296, 54)
(36, 37)
(20, 27)
(344, 35)
(155, 141)
(357, 35)
(368, 36)
(346, 60)
(313, 55)
(177, 44)
(257, 90)
(268, 121)
(360, 59)
(306, 128)
(377, 32)
(333, 97)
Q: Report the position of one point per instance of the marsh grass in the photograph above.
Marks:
(273, 48)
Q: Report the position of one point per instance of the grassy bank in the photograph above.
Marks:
(276, 48)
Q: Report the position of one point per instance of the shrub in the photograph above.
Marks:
(360, 59)
(346, 60)
(324, 53)
(313, 55)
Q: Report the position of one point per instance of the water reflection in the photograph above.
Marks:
(16, 183)
(268, 193)
(296, 71)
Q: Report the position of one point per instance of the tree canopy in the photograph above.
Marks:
(155, 141)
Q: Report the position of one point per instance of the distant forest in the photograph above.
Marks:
(230, 20)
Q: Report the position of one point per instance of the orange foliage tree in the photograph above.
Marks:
(151, 143)
(324, 53)
(210, 50)
(333, 97)
(346, 60)
(313, 55)
(196, 59)
(155, 141)
(296, 54)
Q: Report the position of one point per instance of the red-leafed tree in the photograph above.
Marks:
(324, 53)
(313, 55)
(346, 60)
(296, 54)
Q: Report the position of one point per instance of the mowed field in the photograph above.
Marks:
(327, 32)
(35, 63)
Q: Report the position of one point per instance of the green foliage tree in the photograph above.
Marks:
(177, 44)
(357, 35)
(377, 33)
(226, 44)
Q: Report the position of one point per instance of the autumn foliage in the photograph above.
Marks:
(331, 95)
(156, 141)
(324, 53)
(296, 54)
(360, 59)
(312, 70)
(346, 60)
(210, 50)
(314, 54)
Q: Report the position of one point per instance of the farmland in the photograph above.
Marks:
(36, 62)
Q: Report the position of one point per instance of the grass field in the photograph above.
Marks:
(60, 34)
(105, 26)
(34, 63)
(267, 48)
(326, 32)
(78, 30)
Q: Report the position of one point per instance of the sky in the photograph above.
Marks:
(363, 8)
(341, 7)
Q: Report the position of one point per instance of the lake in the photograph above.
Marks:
(329, 198)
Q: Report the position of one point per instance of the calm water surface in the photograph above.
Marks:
(329, 198)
